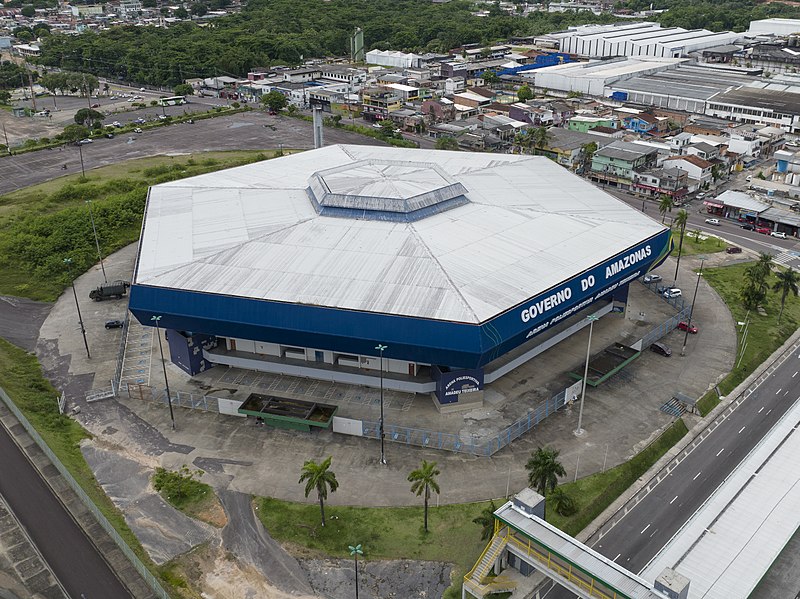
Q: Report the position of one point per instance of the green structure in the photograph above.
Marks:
(284, 412)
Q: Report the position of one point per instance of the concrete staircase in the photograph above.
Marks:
(486, 563)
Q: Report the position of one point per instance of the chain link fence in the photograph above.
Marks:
(151, 580)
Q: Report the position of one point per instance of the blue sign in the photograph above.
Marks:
(452, 385)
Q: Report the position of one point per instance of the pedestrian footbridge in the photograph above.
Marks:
(524, 542)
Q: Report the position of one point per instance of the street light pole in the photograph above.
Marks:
(380, 348)
(691, 309)
(164, 367)
(97, 242)
(68, 262)
(80, 151)
(355, 552)
(579, 431)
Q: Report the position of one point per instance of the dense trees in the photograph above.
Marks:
(274, 100)
(12, 75)
(73, 82)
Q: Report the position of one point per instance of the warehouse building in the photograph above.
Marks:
(463, 265)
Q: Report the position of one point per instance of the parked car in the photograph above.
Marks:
(778, 234)
(733, 250)
(95, 105)
(140, 120)
(652, 278)
(114, 324)
(685, 326)
(672, 293)
(712, 221)
(109, 135)
(83, 142)
(137, 130)
(748, 227)
(700, 196)
(162, 117)
(117, 124)
(764, 230)
(661, 348)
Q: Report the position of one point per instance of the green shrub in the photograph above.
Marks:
(180, 488)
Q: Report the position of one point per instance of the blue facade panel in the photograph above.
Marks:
(459, 345)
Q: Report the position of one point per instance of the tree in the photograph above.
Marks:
(25, 36)
(5, 97)
(544, 469)
(665, 205)
(446, 143)
(87, 116)
(74, 133)
(199, 9)
(319, 477)
(562, 502)
(540, 137)
(755, 287)
(524, 93)
(28, 11)
(489, 77)
(183, 89)
(787, 283)
(423, 480)
(680, 221)
(181, 13)
(587, 153)
(274, 100)
(486, 521)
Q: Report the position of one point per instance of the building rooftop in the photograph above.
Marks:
(623, 150)
(450, 236)
(777, 100)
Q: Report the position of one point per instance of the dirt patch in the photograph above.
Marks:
(210, 511)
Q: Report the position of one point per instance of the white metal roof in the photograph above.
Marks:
(252, 231)
(731, 541)
(741, 200)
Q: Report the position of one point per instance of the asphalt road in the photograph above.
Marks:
(72, 557)
(648, 526)
(243, 131)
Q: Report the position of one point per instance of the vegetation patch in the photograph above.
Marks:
(765, 332)
(183, 490)
(43, 225)
(695, 242)
(593, 494)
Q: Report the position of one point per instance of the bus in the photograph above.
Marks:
(172, 101)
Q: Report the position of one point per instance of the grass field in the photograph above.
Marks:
(42, 225)
(764, 335)
(702, 245)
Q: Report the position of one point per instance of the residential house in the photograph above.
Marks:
(680, 142)
(703, 150)
(667, 181)
(568, 148)
(584, 123)
(378, 102)
(301, 74)
(407, 93)
(698, 169)
(642, 123)
(617, 163)
(438, 111)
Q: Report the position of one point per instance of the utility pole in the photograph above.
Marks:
(5, 134)
(33, 95)
(68, 262)
(97, 241)
(80, 151)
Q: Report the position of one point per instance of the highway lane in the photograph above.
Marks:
(648, 526)
(70, 554)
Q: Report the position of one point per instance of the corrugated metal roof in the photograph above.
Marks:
(252, 231)
(584, 557)
(741, 200)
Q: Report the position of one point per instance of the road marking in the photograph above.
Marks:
(696, 475)
(759, 411)
(615, 559)
(779, 390)
(785, 393)
(767, 414)
(644, 529)
(674, 498)
(740, 431)
(795, 374)
(720, 451)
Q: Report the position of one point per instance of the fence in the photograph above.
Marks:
(151, 580)
(121, 351)
(676, 302)
(665, 327)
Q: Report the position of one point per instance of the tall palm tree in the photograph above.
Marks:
(423, 480)
(544, 469)
(486, 520)
(787, 283)
(319, 477)
(664, 206)
(755, 288)
(540, 137)
(680, 220)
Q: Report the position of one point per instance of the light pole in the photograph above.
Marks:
(691, 309)
(380, 348)
(355, 552)
(164, 367)
(97, 241)
(579, 431)
(68, 262)
(80, 151)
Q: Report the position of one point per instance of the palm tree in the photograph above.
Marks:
(562, 502)
(486, 520)
(423, 480)
(540, 137)
(664, 206)
(680, 221)
(755, 288)
(787, 283)
(544, 469)
(319, 477)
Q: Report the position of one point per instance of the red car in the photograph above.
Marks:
(684, 326)
(764, 230)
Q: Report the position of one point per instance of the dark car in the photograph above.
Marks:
(109, 135)
(733, 250)
(748, 227)
(114, 324)
(685, 326)
(661, 348)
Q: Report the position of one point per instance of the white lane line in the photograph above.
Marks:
(644, 529)
(615, 559)
(779, 390)
(785, 393)
(696, 475)
(673, 500)
(795, 374)
(740, 430)
(767, 414)
(720, 451)
(760, 409)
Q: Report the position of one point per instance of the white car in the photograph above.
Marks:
(712, 221)
(778, 234)
(673, 292)
(137, 130)
(652, 278)
(83, 142)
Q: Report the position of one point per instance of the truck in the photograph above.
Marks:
(116, 289)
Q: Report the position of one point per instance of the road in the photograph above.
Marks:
(786, 252)
(648, 526)
(72, 557)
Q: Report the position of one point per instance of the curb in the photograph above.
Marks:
(655, 471)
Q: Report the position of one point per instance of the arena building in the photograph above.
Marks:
(463, 265)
